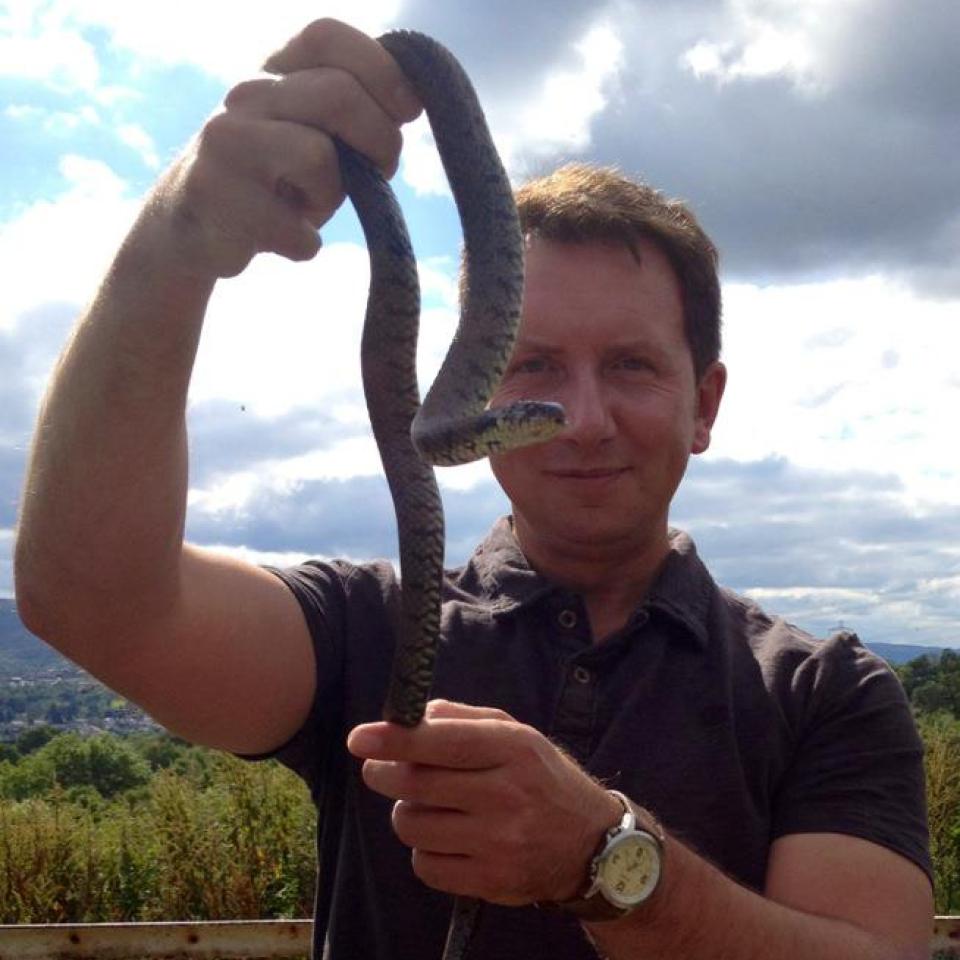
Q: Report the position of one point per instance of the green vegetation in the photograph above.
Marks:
(933, 685)
(147, 828)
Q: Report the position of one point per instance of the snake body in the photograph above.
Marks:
(454, 424)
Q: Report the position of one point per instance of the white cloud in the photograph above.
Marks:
(37, 44)
(274, 558)
(227, 40)
(819, 595)
(54, 122)
(846, 374)
(135, 137)
(768, 38)
(557, 117)
(56, 250)
(285, 334)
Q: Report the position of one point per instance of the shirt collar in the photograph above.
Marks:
(682, 591)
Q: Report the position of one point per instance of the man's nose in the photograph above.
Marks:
(589, 414)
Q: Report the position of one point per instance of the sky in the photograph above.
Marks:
(815, 139)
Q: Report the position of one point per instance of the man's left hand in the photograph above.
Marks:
(490, 807)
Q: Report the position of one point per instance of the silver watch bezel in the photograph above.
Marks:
(601, 885)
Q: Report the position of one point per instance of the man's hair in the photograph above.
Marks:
(579, 203)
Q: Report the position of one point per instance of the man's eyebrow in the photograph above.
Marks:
(537, 346)
(640, 344)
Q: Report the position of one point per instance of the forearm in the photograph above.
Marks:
(103, 505)
(700, 914)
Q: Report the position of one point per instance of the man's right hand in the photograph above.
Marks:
(262, 174)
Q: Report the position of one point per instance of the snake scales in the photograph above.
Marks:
(453, 425)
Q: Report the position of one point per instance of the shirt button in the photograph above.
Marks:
(582, 675)
(567, 619)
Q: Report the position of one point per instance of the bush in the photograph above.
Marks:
(102, 763)
(85, 838)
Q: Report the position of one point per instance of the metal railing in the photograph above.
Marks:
(232, 940)
(211, 940)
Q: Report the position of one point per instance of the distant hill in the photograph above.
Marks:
(897, 653)
(23, 654)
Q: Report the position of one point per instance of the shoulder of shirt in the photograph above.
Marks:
(347, 576)
(784, 648)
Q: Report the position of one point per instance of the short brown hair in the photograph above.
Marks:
(580, 202)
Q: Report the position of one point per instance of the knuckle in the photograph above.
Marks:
(400, 821)
(248, 91)
(525, 742)
(341, 95)
(219, 134)
(320, 33)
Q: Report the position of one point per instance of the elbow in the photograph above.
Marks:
(26, 588)
(35, 587)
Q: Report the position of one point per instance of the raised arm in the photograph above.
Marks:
(215, 649)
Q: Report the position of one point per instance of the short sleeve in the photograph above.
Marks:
(319, 588)
(857, 767)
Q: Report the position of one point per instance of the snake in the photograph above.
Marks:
(455, 423)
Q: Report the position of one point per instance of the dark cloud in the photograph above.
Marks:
(766, 525)
(13, 462)
(792, 182)
(27, 352)
(226, 436)
(504, 45)
(797, 185)
(350, 518)
(773, 526)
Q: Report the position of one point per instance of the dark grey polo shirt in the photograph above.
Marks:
(733, 727)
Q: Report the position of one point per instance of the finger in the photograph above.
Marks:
(464, 790)
(465, 876)
(435, 830)
(228, 218)
(329, 99)
(297, 164)
(450, 709)
(471, 744)
(331, 43)
(274, 227)
(448, 872)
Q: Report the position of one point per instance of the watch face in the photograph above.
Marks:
(631, 869)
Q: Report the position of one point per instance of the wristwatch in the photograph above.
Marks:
(626, 869)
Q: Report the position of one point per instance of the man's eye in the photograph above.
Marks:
(634, 363)
(531, 365)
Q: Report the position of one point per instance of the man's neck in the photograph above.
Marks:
(612, 578)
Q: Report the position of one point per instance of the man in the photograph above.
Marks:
(587, 648)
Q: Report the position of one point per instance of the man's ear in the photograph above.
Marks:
(709, 394)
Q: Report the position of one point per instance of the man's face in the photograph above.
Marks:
(603, 335)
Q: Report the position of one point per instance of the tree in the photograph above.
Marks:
(33, 739)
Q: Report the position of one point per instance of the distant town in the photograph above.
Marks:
(67, 703)
(38, 687)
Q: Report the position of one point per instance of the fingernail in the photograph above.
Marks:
(364, 741)
(406, 101)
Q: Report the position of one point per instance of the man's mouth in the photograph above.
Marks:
(591, 473)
